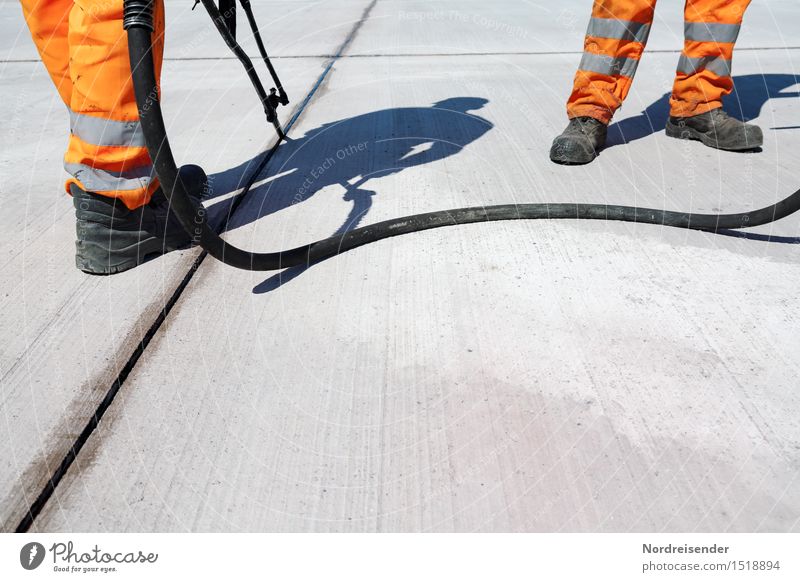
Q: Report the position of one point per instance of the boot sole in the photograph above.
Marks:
(96, 259)
(569, 154)
(689, 133)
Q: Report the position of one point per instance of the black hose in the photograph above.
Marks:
(174, 183)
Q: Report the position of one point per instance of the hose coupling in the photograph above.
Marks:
(138, 14)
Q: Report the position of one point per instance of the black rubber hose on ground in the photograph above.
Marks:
(174, 182)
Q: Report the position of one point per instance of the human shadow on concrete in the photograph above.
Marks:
(750, 94)
(348, 154)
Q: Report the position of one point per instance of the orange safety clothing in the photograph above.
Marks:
(85, 51)
(616, 38)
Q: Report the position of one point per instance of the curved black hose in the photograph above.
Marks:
(194, 219)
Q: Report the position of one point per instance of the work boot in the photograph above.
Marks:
(717, 129)
(580, 142)
(112, 238)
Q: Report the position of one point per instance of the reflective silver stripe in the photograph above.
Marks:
(717, 65)
(619, 29)
(607, 65)
(106, 132)
(711, 32)
(98, 180)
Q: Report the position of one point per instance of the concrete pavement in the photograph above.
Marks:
(502, 377)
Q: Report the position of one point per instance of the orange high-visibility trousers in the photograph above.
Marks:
(85, 50)
(617, 36)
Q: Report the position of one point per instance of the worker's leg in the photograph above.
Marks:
(85, 50)
(614, 43)
(106, 153)
(704, 78)
(48, 22)
(617, 34)
(704, 69)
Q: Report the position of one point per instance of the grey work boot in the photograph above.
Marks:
(717, 129)
(580, 142)
(112, 238)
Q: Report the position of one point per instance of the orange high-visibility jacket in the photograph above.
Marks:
(85, 50)
(617, 36)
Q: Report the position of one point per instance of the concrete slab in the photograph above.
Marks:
(66, 335)
(475, 26)
(547, 376)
